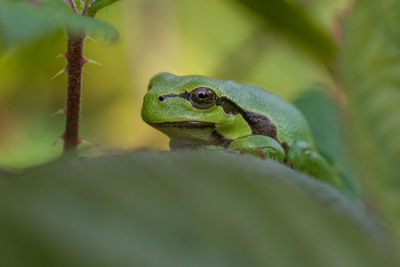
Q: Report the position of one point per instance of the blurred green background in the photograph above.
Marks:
(214, 38)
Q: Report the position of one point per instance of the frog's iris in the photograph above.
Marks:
(202, 98)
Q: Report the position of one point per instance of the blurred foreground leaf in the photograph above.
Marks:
(294, 21)
(180, 209)
(21, 22)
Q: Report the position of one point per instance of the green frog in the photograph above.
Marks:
(202, 112)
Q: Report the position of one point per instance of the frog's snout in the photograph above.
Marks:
(150, 108)
(156, 109)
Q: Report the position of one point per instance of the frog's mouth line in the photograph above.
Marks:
(185, 124)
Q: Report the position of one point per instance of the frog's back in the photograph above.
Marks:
(291, 124)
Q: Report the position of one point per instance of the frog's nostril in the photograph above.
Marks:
(160, 98)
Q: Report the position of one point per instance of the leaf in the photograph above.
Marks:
(180, 209)
(293, 20)
(92, 26)
(21, 22)
(100, 4)
(323, 117)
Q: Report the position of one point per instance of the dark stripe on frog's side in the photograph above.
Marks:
(258, 123)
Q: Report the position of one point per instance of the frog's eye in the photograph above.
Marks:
(202, 98)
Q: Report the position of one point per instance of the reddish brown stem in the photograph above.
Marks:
(74, 68)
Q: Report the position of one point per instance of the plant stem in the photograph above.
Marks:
(74, 68)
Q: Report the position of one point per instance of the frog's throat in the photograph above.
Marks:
(214, 138)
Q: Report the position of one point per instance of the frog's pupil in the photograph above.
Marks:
(201, 95)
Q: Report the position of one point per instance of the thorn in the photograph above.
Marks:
(86, 60)
(82, 141)
(64, 55)
(94, 62)
(59, 73)
(90, 38)
(61, 111)
(62, 137)
(55, 142)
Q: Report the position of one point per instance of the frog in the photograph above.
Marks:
(199, 112)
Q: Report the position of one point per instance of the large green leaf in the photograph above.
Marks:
(294, 21)
(21, 22)
(180, 209)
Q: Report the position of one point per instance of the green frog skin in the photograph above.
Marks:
(202, 112)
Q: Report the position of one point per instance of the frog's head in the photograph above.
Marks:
(186, 107)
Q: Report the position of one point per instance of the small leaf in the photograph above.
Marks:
(99, 4)
(21, 22)
(77, 23)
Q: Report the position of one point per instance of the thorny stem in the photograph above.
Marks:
(76, 60)
(74, 68)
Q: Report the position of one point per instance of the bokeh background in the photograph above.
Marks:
(214, 38)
